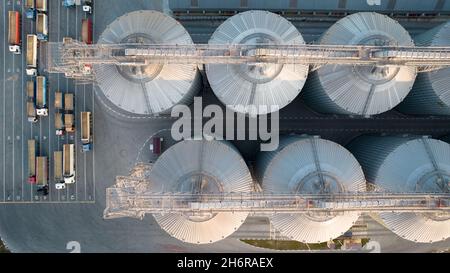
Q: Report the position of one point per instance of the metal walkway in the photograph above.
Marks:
(132, 197)
(73, 57)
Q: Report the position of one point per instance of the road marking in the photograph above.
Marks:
(31, 127)
(84, 154)
(67, 90)
(4, 102)
(93, 114)
(13, 119)
(75, 114)
(22, 110)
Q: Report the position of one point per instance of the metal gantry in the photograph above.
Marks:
(75, 59)
(132, 196)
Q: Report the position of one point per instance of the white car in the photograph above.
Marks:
(60, 186)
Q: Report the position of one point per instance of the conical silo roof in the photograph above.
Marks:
(310, 165)
(430, 94)
(201, 167)
(356, 89)
(256, 84)
(153, 88)
(406, 165)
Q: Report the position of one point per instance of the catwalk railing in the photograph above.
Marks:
(75, 59)
(130, 202)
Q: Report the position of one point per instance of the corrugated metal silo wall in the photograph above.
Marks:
(264, 158)
(372, 151)
(424, 97)
(194, 89)
(316, 97)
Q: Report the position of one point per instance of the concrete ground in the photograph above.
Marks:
(120, 140)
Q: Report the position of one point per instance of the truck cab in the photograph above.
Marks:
(30, 9)
(87, 6)
(156, 145)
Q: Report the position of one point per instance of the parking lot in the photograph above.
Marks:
(16, 130)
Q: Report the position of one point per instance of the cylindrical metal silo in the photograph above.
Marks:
(262, 85)
(408, 164)
(153, 88)
(355, 89)
(310, 165)
(195, 166)
(430, 94)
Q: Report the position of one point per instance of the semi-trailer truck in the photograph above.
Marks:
(32, 47)
(31, 103)
(69, 163)
(59, 124)
(86, 137)
(69, 125)
(42, 173)
(32, 161)
(30, 9)
(41, 96)
(41, 5)
(59, 115)
(86, 31)
(68, 113)
(14, 34)
(42, 27)
(58, 173)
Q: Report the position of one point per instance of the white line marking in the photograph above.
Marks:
(4, 103)
(93, 116)
(75, 113)
(22, 110)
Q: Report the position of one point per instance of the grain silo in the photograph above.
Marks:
(310, 165)
(430, 94)
(259, 84)
(356, 89)
(194, 166)
(407, 165)
(152, 88)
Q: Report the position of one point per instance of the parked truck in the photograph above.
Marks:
(59, 115)
(42, 173)
(156, 145)
(69, 124)
(41, 5)
(86, 137)
(32, 161)
(41, 96)
(32, 48)
(86, 31)
(14, 34)
(69, 163)
(31, 103)
(30, 9)
(58, 173)
(42, 27)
